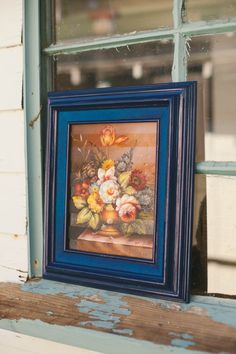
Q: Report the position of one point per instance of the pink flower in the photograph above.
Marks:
(127, 207)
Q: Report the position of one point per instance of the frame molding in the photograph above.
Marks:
(171, 281)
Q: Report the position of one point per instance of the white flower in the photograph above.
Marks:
(109, 191)
(104, 175)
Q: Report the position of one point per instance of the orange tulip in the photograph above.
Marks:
(121, 139)
(107, 136)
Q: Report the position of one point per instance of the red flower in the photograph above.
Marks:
(138, 180)
(82, 189)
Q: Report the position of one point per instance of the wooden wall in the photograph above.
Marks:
(13, 220)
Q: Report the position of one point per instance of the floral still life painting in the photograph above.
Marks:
(113, 169)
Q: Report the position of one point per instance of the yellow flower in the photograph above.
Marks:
(108, 164)
(95, 203)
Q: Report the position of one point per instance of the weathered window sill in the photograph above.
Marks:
(111, 322)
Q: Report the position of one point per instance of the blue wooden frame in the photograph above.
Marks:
(174, 107)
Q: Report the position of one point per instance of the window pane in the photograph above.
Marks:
(203, 10)
(214, 241)
(95, 18)
(221, 224)
(212, 63)
(131, 65)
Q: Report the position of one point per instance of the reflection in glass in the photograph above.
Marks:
(113, 187)
(212, 63)
(221, 225)
(204, 10)
(95, 18)
(214, 241)
(130, 65)
(199, 241)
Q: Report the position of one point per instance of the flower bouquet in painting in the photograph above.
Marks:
(113, 185)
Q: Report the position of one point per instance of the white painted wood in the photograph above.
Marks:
(221, 229)
(13, 203)
(16, 343)
(11, 71)
(13, 251)
(9, 275)
(12, 156)
(10, 22)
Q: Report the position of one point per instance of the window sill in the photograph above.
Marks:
(90, 318)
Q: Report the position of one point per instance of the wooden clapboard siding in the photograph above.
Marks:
(11, 71)
(13, 257)
(13, 221)
(12, 158)
(10, 23)
(12, 203)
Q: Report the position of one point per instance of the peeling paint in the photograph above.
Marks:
(85, 338)
(183, 343)
(104, 315)
(127, 331)
(34, 120)
(183, 340)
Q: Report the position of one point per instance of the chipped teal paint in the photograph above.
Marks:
(182, 335)
(104, 315)
(104, 308)
(219, 310)
(126, 331)
(88, 339)
(224, 315)
(177, 342)
(184, 340)
(48, 287)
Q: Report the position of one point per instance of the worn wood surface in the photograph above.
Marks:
(15, 343)
(209, 327)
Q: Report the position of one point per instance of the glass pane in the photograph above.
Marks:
(96, 18)
(214, 241)
(221, 224)
(131, 65)
(212, 63)
(204, 10)
(102, 217)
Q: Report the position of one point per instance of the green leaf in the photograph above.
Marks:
(79, 202)
(124, 227)
(124, 179)
(84, 216)
(130, 190)
(94, 221)
(137, 227)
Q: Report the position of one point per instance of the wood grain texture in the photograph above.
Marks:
(209, 327)
(10, 22)
(11, 71)
(12, 154)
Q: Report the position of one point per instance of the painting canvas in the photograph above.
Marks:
(113, 188)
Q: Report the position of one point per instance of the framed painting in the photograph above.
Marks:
(119, 188)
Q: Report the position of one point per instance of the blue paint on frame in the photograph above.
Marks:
(173, 107)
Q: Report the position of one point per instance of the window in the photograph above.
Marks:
(99, 43)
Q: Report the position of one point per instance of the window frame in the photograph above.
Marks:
(37, 82)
